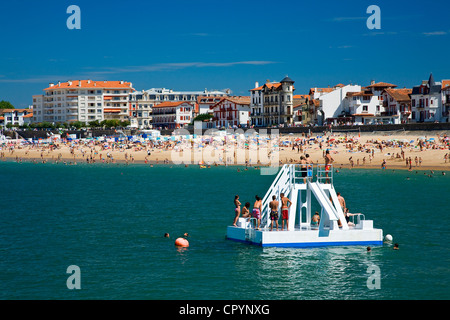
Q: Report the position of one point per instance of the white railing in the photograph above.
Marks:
(281, 184)
(284, 182)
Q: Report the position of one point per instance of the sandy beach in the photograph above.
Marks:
(365, 150)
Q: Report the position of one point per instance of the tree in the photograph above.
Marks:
(77, 124)
(94, 124)
(202, 117)
(6, 105)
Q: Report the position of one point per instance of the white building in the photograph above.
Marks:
(332, 103)
(38, 108)
(142, 102)
(445, 100)
(272, 103)
(205, 104)
(366, 106)
(83, 100)
(172, 115)
(232, 112)
(426, 101)
(15, 117)
(397, 106)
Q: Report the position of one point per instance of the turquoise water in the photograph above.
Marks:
(110, 220)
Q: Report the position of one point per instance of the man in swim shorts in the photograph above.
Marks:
(328, 161)
(273, 205)
(256, 213)
(285, 211)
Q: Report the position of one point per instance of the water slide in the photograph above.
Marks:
(338, 208)
(324, 201)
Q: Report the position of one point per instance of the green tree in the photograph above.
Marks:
(202, 117)
(6, 105)
(77, 124)
(94, 124)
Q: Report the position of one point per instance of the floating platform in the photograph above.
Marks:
(333, 229)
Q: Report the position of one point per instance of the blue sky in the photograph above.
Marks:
(197, 44)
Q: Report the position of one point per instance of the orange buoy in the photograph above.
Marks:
(181, 242)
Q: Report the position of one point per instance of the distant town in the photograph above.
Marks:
(88, 103)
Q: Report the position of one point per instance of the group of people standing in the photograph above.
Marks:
(257, 209)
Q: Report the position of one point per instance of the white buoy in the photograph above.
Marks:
(388, 238)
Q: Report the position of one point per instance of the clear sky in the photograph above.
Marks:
(197, 44)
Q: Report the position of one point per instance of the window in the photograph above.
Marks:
(365, 108)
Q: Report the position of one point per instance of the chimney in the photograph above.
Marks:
(256, 84)
(51, 84)
(79, 83)
(59, 83)
(89, 81)
(372, 82)
(121, 81)
(69, 82)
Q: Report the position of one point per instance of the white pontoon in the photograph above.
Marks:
(333, 229)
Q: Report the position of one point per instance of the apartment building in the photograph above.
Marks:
(172, 114)
(272, 103)
(142, 102)
(83, 100)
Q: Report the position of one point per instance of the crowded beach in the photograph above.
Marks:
(397, 150)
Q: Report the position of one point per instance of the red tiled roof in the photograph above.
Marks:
(171, 104)
(92, 84)
(301, 96)
(382, 84)
(399, 94)
(445, 84)
(360, 93)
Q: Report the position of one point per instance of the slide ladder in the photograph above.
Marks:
(325, 203)
(281, 184)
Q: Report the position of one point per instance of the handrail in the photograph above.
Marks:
(282, 179)
(287, 178)
(358, 215)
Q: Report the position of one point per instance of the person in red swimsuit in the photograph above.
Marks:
(285, 205)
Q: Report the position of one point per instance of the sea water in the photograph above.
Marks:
(110, 221)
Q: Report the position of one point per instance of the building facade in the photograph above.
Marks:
(332, 103)
(83, 100)
(172, 115)
(231, 112)
(397, 106)
(366, 106)
(445, 101)
(426, 101)
(272, 103)
(142, 102)
(10, 117)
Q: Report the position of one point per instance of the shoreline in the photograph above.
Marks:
(336, 166)
(427, 151)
